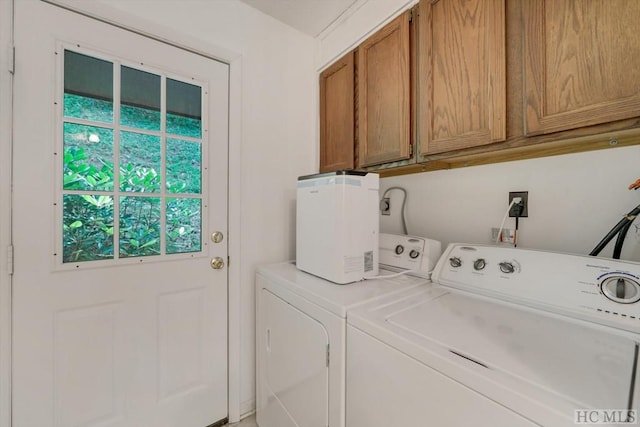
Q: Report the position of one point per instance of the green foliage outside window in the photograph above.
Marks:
(87, 227)
(88, 166)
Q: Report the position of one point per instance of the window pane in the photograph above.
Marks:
(139, 226)
(184, 225)
(139, 162)
(183, 166)
(88, 158)
(87, 227)
(140, 99)
(88, 87)
(184, 109)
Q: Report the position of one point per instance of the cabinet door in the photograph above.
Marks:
(582, 63)
(337, 120)
(384, 95)
(461, 74)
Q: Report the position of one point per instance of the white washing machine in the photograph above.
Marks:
(502, 338)
(300, 343)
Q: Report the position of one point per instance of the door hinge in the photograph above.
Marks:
(12, 59)
(10, 260)
(327, 355)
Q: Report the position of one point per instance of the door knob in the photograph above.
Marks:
(217, 263)
(217, 237)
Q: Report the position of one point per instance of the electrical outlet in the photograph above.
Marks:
(523, 210)
(385, 206)
(507, 235)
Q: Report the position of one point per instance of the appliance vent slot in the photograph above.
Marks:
(469, 358)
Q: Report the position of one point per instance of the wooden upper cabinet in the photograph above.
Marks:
(582, 63)
(337, 121)
(461, 74)
(383, 107)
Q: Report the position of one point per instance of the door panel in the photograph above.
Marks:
(138, 341)
(87, 387)
(180, 339)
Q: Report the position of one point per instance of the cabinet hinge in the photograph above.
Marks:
(410, 150)
(327, 355)
(10, 260)
(12, 59)
(411, 16)
(228, 261)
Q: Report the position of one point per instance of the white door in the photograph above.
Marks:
(120, 179)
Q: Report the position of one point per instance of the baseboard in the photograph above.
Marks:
(247, 408)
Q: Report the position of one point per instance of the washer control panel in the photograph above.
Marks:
(598, 289)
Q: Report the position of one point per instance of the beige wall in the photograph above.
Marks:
(574, 200)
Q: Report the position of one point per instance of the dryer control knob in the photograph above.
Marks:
(479, 264)
(621, 289)
(507, 267)
(455, 262)
(399, 249)
(414, 254)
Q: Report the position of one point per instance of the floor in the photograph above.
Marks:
(247, 422)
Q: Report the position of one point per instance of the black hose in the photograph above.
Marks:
(617, 249)
(610, 235)
(623, 224)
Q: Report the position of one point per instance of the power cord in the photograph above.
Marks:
(401, 273)
(504, 218)
(519, 208)
(389, 276)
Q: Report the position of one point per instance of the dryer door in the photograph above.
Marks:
(295, 375)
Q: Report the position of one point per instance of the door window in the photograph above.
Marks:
(131, 181)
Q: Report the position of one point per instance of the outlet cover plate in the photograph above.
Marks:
(513, 212)
(385, 206)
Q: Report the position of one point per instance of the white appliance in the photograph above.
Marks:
(337, 225)
(416, 254)
(301, 343)
(503, 337)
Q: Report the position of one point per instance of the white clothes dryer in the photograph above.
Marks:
(503, 337)
(301, 323)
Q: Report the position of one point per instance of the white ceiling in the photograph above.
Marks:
(308, 16)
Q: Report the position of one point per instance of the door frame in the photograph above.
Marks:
(162, 34)
(6, 127)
